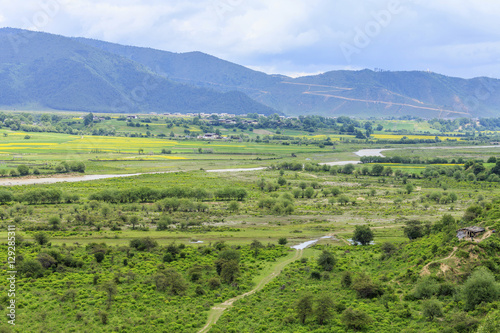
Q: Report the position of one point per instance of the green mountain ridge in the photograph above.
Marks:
(39, 70)
(361, 93)
(55, 72)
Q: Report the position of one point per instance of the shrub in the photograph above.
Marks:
(365, 287)
(327, 261)
(23, 170)
(214, 283)
(99, 256)
(31, 268)
(480, 287)
(346, 279)
(41, 238)
(426, 288)
(432, 309)
(355, 319)
(143, 244)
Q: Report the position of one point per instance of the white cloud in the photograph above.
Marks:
(287, 36)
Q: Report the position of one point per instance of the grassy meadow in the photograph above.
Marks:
(165, 252)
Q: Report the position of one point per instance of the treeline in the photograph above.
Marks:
(408, 160)
(146, 194)
(38, 196)
(472, 170)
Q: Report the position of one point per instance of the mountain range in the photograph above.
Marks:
(45, 71)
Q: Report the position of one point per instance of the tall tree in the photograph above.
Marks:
(88, 119)
(304, 308)
(324, 306)
(363, 234)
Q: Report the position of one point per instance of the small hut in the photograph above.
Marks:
(470, 232)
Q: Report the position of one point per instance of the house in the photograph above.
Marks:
(210, 136)
(470, 232)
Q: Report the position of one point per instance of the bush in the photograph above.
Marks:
(31, 268)
(214, 283)
(346, 279)
(282, 241)
(365, 287)
(41, 238)
(355, 319)
(432, 309)
(23, 170)
(327, 261)
(491, 324)
(480, 287)
(143, 244)
(99, 257)
(426, 288)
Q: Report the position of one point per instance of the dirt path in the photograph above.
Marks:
(486, 235)
(425, 269)
(443, 267)
(217, 310)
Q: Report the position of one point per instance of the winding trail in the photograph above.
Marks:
(217, 310)
(425, 269)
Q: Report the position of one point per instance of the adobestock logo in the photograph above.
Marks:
(363, 37)
(225, 7)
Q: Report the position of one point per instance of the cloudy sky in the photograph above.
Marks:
(293, 37)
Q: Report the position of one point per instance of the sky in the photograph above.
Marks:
(291, 37)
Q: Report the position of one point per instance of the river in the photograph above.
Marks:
(60, 179)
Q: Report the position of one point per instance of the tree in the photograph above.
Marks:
(230, 270)
(343, 199)
(110, 288)
(134, 220)
(171, 279)
(46, 260)
(55, 222)
(5, 196)
(432, 309)
(88, 119)
(346, 279)
(324, 306)
(309, 192)
(304, 308)
(234, 206)
(414, 229)
(282, 241)
(41, 238)
(335, 191)
(99, 257)
(377, 169)
(23, 170)
(363, 234)
(143, 244)
(31, 268)
(281, 180)
(480, 287)
(365, 287)
(355, 319)
(348, 169)
(327, 261)
(409, 188)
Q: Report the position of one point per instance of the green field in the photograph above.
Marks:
(173, 252)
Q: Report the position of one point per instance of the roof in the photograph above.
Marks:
(473, 229)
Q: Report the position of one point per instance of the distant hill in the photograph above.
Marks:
(39, 70)
(44, 71)
(355, 93)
